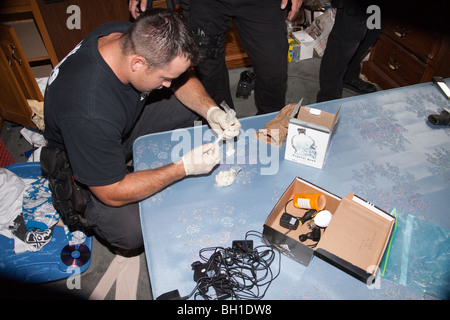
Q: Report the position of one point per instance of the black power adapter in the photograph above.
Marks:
(242, 246)
(288, 221)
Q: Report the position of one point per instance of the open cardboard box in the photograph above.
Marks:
(309, 136)
(354, 241)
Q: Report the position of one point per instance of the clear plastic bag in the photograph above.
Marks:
(419, 256)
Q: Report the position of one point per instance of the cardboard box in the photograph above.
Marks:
(294, 51)
(309, 136)
(306, 44)
(354, 241)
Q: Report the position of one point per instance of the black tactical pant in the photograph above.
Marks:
(348, 43)
(262, 30)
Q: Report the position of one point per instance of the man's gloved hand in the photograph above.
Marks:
(202, 159)
(217, 119)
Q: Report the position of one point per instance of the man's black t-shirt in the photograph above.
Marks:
(88, 111)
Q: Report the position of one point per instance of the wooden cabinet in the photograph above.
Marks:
(92, 15)
(406, 54)
(17, 81)
(16, 10)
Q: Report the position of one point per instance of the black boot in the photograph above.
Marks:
(246, 84)
(359, 86)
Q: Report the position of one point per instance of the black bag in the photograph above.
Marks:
(68, 198)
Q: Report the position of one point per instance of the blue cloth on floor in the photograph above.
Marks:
(38, 211)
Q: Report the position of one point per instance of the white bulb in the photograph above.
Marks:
(322, 219)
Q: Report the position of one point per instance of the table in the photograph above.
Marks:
(383, 150)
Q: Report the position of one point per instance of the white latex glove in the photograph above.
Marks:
(217, 119)
(202, 159)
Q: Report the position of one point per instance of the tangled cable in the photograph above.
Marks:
(238, 272)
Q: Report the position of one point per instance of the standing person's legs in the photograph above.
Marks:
(354, 67)
(262, 29)
(343, 42)
(209, 24)
(352, 78)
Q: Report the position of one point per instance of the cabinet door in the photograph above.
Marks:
(17, 83)
(92, 14)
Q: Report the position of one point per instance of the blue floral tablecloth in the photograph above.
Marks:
(384, 150)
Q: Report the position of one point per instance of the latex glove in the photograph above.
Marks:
(202, 159)
(217, 119)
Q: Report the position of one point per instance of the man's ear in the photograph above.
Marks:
(138, 62)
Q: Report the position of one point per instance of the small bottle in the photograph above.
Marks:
(315, 201)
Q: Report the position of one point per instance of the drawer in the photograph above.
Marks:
(423, 44)
(396, 62)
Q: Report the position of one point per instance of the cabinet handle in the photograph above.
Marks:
(400, 32)
(394, 64)
(13, 47)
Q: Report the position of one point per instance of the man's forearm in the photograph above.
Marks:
(139, 185)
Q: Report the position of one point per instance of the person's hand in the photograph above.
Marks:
(218, 121)
(133, 7)
(295, 6)
(201, 160)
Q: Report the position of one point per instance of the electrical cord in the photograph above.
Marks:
(236, 273)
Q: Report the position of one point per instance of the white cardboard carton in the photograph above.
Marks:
(306, 44)
(309, 136)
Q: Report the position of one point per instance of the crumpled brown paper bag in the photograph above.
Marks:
(275, 131)
(37, 117)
